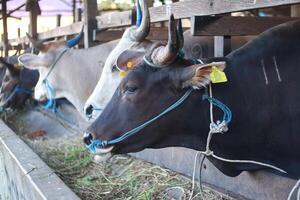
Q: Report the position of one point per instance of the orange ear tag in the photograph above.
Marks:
(129, 65)
(122, 73)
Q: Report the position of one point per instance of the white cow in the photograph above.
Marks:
(75, 74)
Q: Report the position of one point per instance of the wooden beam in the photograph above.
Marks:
(61, 31)
(112, 20)
(90, 23)
(4, 36)
(234, 26)
(34, 10)
(187, 9)
(295, 11)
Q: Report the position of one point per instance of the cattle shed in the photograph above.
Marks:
(220, 19)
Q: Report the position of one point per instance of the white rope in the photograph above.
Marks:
(208, 152)
(194, 174)
(293, 191)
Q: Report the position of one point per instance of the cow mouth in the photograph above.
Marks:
(106, 150)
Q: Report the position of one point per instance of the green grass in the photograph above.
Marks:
(120, 177)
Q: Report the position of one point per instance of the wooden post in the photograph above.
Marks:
(218, 46)
(34, 10)
(78, 15)
(58, 20)
(74, 10)
(295, 11)
(19, 32)
(90, 22)
(4, 36)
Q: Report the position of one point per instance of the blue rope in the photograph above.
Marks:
(51, 103)
(227, 112)
(102, 143)
(18, 88)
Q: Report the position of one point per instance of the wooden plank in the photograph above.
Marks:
(234, 26)
(90, 23)
(187, 9)
(61, 31)
(116, 19)
(4, 19)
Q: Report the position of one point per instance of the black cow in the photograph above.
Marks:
(17, 84)
(262, 92)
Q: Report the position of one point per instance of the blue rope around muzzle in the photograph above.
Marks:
(97, 143)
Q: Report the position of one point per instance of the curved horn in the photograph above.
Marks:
(72, 42)
(143, 30)
(9, 66)
(36, 43)
(180, 35)
(164, 55)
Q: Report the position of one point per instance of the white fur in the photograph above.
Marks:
(110, 80)
(74, 76)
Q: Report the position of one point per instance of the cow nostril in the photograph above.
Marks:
(87, 138)
(89, 110)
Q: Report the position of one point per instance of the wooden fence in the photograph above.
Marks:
(109, 26)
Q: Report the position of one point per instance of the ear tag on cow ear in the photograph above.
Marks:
(217, 76)
(129, 65)
(122, 73)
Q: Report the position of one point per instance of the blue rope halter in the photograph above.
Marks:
(102, 143)
(51, 103)
(18, 89)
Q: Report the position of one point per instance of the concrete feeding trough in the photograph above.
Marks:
(26, 176)
(23, 175)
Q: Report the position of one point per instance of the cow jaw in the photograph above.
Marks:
(106, 150)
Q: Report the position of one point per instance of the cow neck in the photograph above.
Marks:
(51, 103)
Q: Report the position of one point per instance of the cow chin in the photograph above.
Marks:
(102, 151)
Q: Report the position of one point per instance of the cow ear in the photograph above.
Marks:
(199, 75)
(32, 61)
(129, 59)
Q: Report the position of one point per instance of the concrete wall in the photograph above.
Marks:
(23, 175)
(260, 185)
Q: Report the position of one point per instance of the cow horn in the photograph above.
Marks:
(143, 29)
(72, 42)
(164, 55)
(9, 66)
(36, 43)
(180, 35)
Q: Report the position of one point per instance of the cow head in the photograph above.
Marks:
(134, 39)
(17, 85)
(156, 82)
(50, 52)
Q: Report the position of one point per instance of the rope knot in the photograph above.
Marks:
(208, 152)
(219, 127)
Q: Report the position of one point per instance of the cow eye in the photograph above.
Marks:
(130, 89)
(114, 68)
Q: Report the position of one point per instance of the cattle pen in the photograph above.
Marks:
(219, 19)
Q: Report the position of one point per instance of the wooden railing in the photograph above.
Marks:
(185, 9)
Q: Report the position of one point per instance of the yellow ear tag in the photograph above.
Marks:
(129, 65)
(217, 76)
(122, 73)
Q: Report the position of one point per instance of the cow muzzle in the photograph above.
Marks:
(87, 139)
